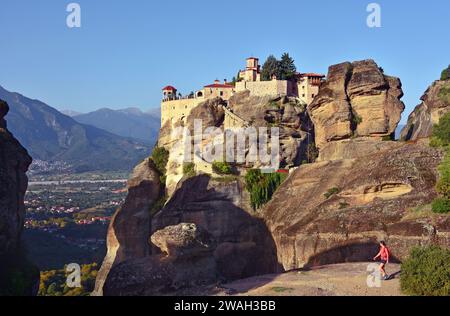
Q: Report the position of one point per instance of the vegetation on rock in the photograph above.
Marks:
(426, 272)
(331, 192)
(446, 73)
(262, 186)
(160, 157)
(189, 169)
(441, 138)
(221, 167)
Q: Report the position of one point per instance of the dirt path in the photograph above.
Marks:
(348, 279)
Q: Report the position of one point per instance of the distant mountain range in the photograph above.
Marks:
(131, 122)
(55, 140)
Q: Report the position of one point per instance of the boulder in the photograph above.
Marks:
(182, 240)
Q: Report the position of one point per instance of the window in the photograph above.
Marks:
(313, 95)
(303, 95)
(303, 87)
(221, 93)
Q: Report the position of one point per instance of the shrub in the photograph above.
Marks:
(331, 192)
(443, 185)
(441, 206)
(445, 75)
(262, 186)
(189, 169)
(441, 131)
(221, 167)
(426, 272)
(160, 157)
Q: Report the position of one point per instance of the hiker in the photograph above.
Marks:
(384, 258)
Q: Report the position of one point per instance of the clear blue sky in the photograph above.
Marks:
(126, 51)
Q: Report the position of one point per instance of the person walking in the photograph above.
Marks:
(384, 255)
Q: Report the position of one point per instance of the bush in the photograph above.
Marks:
(443, 184)
(426, 272)
(262, 186)
(160, 157)
(441, 131)
(189, 169)
(221, 167)
(445, 75)
(441, 206)
(331, 192)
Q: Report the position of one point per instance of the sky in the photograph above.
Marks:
(126, 51)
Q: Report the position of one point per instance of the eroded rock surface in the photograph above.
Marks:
(203, 235)
(370, 198)
(129, 229)
(435, 104)
(356, 100)
(14, 163)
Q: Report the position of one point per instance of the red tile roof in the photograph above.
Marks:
(219, 85)
(169, 88)
(311, 74)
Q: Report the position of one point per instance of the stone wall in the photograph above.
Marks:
(177, 109)
(265, 88)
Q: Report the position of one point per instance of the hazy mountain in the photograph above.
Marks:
(70, 113)
(131, 122)
(51, 136)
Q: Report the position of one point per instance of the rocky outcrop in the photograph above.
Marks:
(357, 100)
(337, 211)
(435, 104)
(203, 235)
(288, 114)
(14, 163)
(210, 113)
(129, 229)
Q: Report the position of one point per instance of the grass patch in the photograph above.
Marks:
(281, 289)
(331, 192)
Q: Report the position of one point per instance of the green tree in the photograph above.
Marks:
(441, 132)
(262, 186)
(160, 157)
(287, 67)
(445, 75)
(270, 67)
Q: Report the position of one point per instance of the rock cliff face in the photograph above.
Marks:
(435, 104)
(288, 114)
(362, 190)
(130, 226)
(14, 163)
(356, 101)
(370, 199)
(203, 235)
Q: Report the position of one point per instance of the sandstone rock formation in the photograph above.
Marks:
(129, 229)
(203, 235)
(288, 114)
(357, 100)
(371, 198)
(14, 163)
(435, 104)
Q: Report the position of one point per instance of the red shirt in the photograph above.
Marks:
(384, 253)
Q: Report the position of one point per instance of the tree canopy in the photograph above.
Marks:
(283, 69)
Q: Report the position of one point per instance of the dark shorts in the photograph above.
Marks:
(383, 261)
